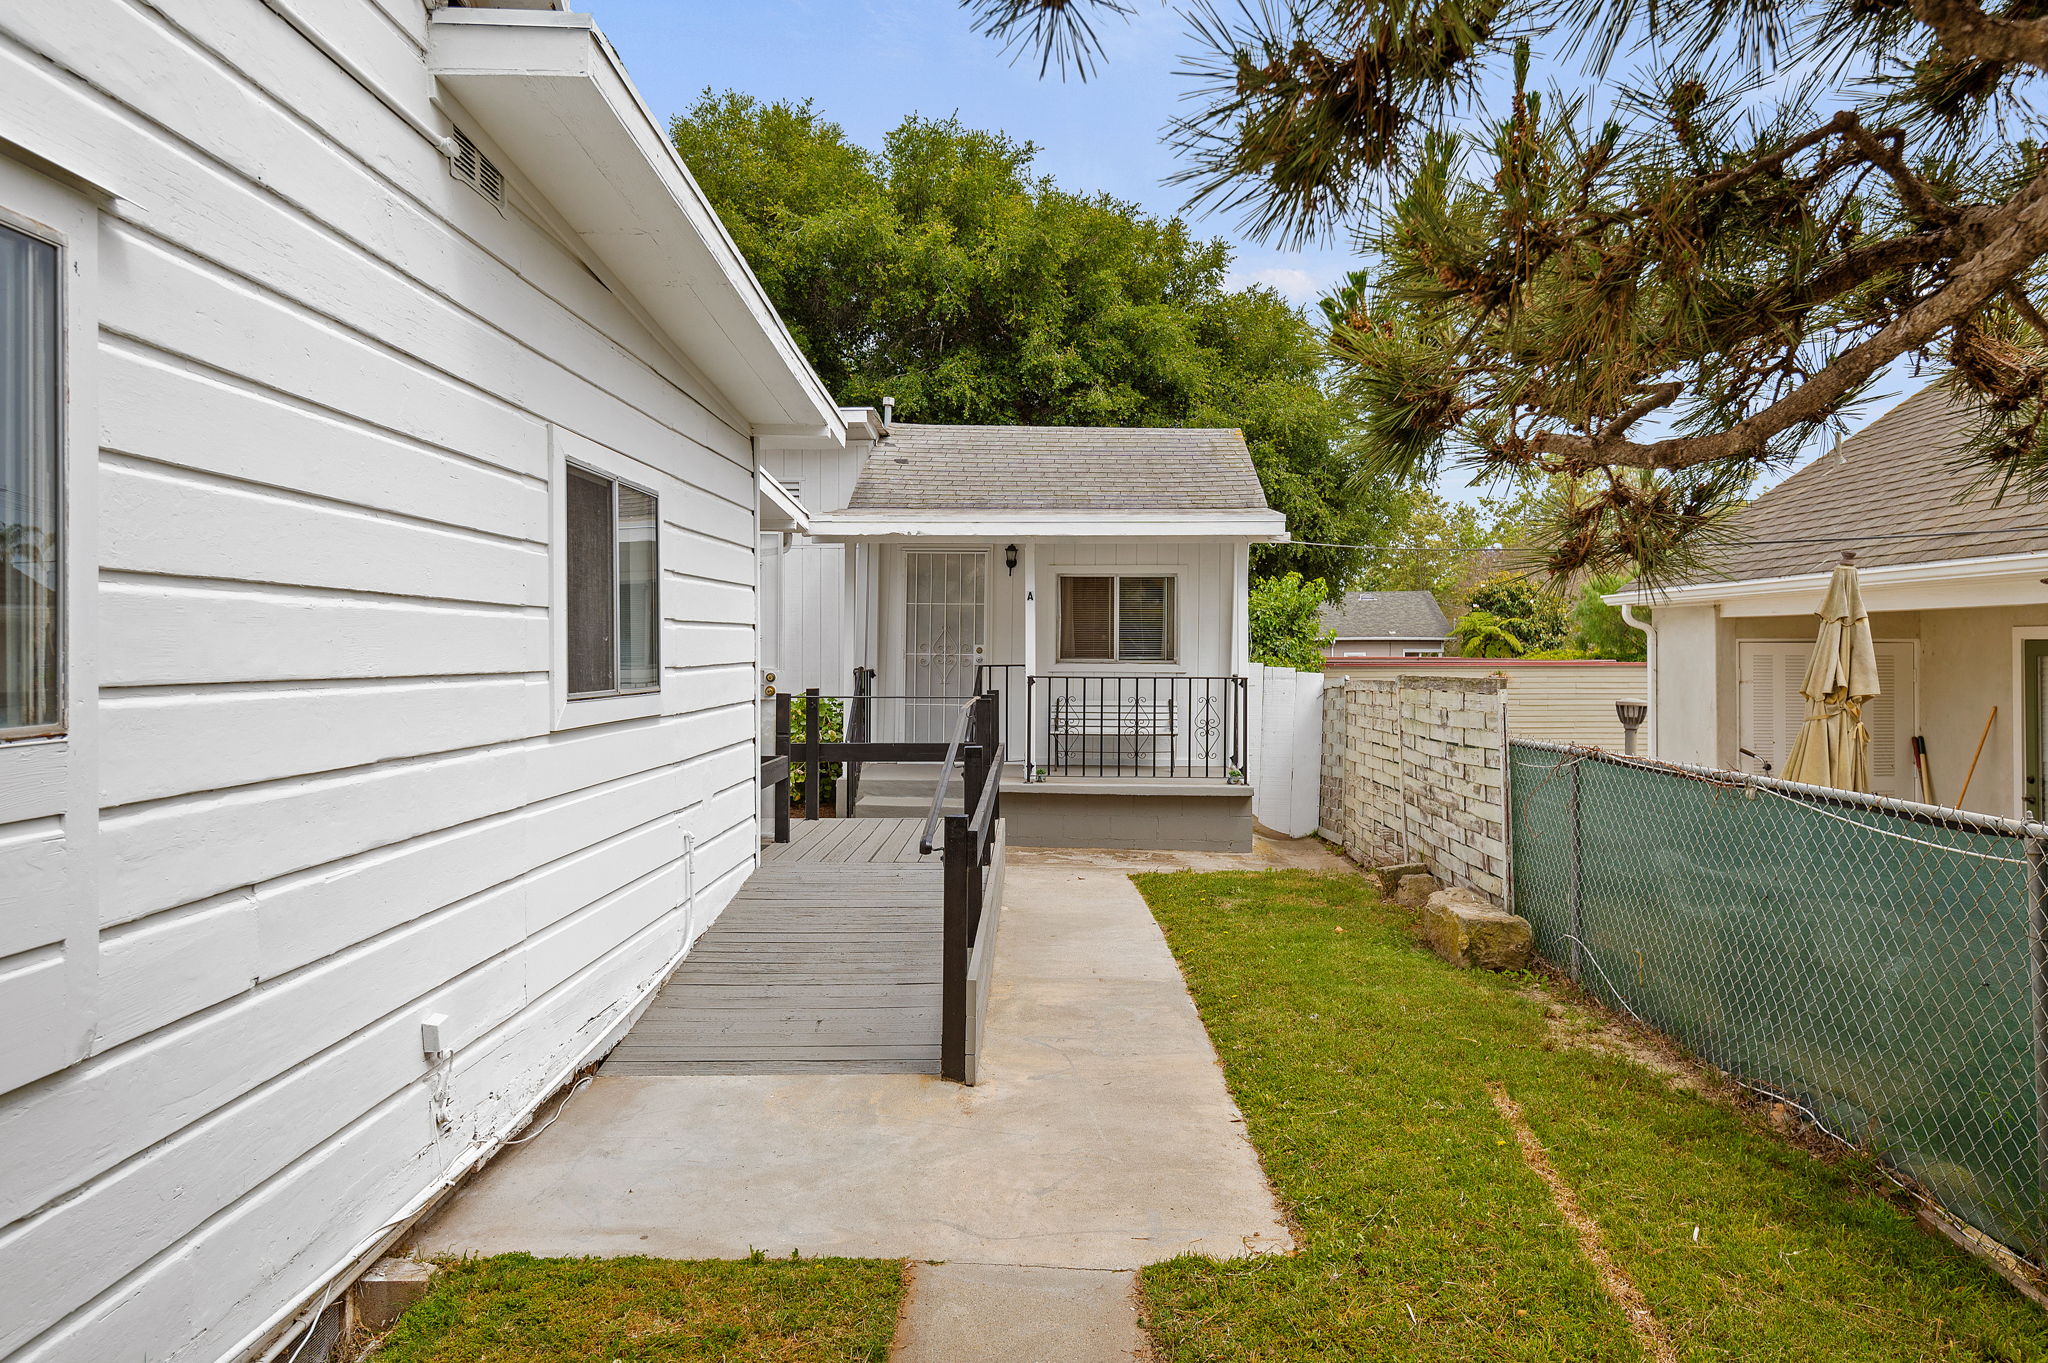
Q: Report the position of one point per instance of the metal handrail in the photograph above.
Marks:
(931, 820)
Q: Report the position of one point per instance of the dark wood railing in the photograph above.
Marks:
(973, 873)
(972, 845)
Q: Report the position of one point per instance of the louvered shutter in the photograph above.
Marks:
(1770, 672)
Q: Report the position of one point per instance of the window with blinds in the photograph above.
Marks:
(614, 587)
(31, 666)
(1117, 619)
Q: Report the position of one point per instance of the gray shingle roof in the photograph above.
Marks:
(1897, 475)
(1058, 468)
(1386, 615)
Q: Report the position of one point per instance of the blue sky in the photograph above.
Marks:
(868, 63)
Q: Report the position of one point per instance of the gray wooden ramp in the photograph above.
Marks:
(826, 962)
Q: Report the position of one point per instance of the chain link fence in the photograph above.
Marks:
(1876, 963)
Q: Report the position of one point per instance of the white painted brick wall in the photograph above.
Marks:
(1412, 771)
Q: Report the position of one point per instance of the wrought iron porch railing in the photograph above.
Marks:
(1136, 725)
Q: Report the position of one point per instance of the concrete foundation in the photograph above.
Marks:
(1165, 816)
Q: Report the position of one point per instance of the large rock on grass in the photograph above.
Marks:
(1413, 891)
(1467, 930)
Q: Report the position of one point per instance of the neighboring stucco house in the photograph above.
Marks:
(1386, 625)
(1096, 576)
(394, 406)
(1952, 578)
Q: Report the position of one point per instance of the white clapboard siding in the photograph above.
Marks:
(332, 387)
(32, 907)
(282, 443)
(175, 524)
(1771, 709)
(163, 741)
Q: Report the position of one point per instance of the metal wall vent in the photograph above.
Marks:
(467, 163)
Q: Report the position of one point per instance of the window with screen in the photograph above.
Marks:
(614, 579)
(1117, 619)
(31, 666)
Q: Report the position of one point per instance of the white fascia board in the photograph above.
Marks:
(550, 92)
(2002, 580)
(779, 510)
(1264, 527)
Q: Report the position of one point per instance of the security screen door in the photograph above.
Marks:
(944, 623)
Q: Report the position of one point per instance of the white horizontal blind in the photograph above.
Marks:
(1145, 618)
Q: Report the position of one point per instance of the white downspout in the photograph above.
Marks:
(1649, 629)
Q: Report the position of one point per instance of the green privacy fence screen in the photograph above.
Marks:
(1877, 963)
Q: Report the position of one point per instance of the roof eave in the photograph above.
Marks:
(1999, 580)
(1263, 527)
(550, 92)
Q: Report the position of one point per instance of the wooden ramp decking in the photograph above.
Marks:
(826, 962)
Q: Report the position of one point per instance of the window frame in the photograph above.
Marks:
(581, 709)
(60, 726)
(1116, 576)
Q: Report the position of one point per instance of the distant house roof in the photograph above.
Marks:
(1058, 469)
(1387, 615)
(1896, 476)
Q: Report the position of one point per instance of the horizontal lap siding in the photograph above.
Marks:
(1205, 608)
(331, 797)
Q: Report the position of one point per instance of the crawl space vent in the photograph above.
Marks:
(469, 165)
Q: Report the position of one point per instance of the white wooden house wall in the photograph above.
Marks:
(316, 787)
(808, 639)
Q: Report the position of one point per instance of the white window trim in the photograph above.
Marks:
(2022, 635)
(566, 448)
(48, 775)
(1115, 573)
(67, 459)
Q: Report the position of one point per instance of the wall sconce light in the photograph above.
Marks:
(1010, 558)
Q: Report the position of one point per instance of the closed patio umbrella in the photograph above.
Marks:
(1833, 747)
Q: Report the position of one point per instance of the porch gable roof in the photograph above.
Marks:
(1069, 470)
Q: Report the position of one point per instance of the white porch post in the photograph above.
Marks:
(1030, 607)
(1240, 614)
(1022, 704)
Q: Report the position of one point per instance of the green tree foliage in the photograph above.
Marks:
(941, 271)
(1430, 547)
(1662, 284)
(1286, 628)
(1529, 615)
(1600, 630)
(1482, 634)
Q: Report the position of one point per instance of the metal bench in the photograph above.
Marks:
(1136, 719)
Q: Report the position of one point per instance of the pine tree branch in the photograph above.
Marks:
(2024, 306)
(2007, 242)
(1965, 30)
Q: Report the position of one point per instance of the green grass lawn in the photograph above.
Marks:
(514, 1308)
(1360, 1063)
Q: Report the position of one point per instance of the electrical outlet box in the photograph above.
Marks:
(430, 1035)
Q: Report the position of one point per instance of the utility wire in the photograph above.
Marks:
(1811, 539)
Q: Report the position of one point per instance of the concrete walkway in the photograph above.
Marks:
(1101, 1139)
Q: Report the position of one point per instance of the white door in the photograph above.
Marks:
(945, 625)
(1772, 710)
